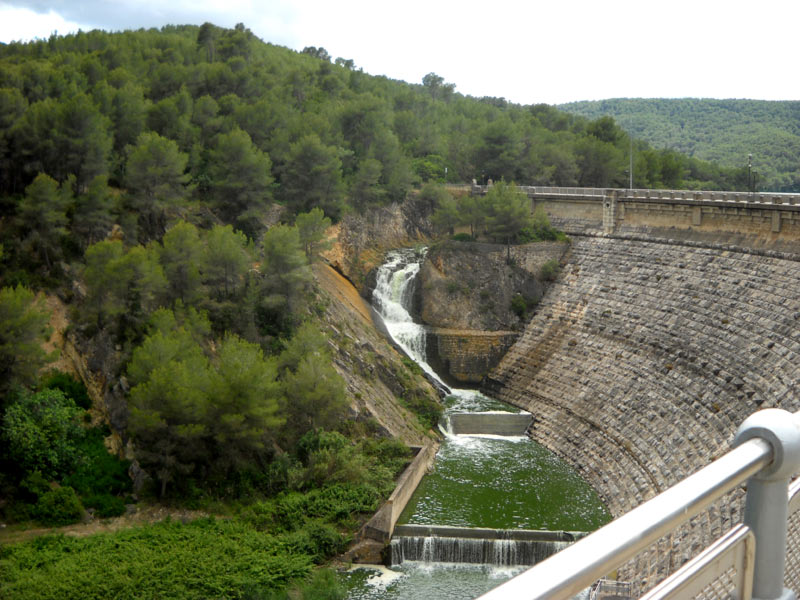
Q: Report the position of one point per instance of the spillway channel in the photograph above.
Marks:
(489, 481)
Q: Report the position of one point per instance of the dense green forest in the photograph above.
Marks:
(722, 131)
(138, 173)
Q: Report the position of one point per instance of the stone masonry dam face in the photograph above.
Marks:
(643, 359)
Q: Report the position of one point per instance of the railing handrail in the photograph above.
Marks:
(760, 197)
(578, 566)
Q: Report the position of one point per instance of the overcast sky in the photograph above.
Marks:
(528, 52)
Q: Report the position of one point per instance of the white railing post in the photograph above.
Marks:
(766, 505)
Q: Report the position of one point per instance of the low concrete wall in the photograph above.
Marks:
(483, 533)
(495, 423)
(381, 525)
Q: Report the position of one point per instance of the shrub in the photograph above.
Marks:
(462, 237)
(316, 440)
(324, 585)
(518, 305)
(521, 305)
(72, 388)
(98, 472)
(549, 270)
(105, 505)
(60, 506)
(42, 431)
(428, 411)
(326, 542)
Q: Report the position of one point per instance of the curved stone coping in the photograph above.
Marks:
(485, 533)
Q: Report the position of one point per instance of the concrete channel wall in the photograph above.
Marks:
(496, 423)
(382, 524)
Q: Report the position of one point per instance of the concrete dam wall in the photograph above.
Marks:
(643, 359)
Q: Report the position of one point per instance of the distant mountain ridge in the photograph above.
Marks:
(722, 131)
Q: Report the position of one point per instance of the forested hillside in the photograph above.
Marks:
(722, 131)
(172, 187)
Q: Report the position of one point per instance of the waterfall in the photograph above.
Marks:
(498, 552)
(392, 296)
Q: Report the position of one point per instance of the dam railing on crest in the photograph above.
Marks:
(784, 201)
(748, 561)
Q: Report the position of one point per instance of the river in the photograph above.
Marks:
(501, 482)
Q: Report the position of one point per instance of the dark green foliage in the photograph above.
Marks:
(540, 229)
(98, 472)
(43, 218)
(723, 131)
(428, 411)
(313, 177)
(59, 506)
(521, 305)
(40, 432)
(462, 237)
(105, 505)
(311, 227)
(550, 270)
(240, 179)
(207, 558)
(71, 387)
(156, 180)
(23, 328)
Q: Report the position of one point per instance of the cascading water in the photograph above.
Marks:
(501, 553)
(502, 482)
(392, 296)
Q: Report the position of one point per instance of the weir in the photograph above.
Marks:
(481, 545)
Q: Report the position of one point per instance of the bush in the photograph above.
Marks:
(462, 237)
(325, 541)
(392, 454)
(324, 585)
(316, 440)
(42, 432)
(105, 505)
(520, 305)
(98, 472)
(72, 388)
(60, 506)
(549, 270)
(428, 411)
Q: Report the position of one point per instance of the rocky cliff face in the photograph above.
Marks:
(378, 381)
(470, 285)
(363, 239)
(467, 294)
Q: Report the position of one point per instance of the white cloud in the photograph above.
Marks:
(21, 24)
(527, 52)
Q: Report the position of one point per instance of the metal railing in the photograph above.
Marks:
(767, 452)
(626, 194)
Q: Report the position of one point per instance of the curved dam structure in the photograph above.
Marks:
(643, 359)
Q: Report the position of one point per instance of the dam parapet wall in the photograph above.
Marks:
(745, 219)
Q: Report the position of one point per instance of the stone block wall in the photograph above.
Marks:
(466, 356)
(643, 359)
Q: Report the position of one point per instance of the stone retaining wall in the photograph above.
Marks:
(643, 359)
(466, 356)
